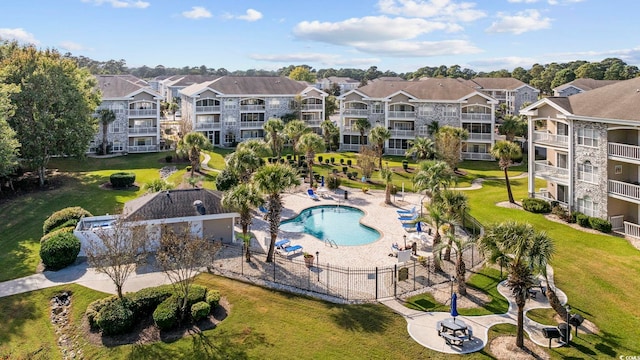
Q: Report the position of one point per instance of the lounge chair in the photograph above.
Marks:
(408, 217)
(404, 212)
(312, 195)
(263, 209)
(283, 246)
(410, 226)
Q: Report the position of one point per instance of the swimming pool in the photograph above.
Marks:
(338, 223)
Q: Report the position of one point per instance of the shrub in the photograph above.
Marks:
(200, 310)
(213, 298)
(60, 251)
(405, 165)
(537, 206)
(320, 159)
(156, 185)
(168, 158)
(561, 212)
(582, 220)
(68, 229)
(333, 182)
(288, 157)
(143, 302)
(94, 309)
(345, 169)
(333, 160)
(226, 180)
(166, 314)
(302, 158)
(349, 162)
(341, 161)
(115, 317)
(600, 224)
(326, 161)
(121, 180)
(188, 168)
(574, 215)
(61, 217)
(197, 293)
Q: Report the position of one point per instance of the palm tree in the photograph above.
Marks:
(192, 144)
(528, 252)
(386, 175)
(258, 146)
(242, 199)
(506, 152)
(244, 163)
(294, 130)
(310, 144)
(362, 125)
(433, 176)
(329, 129)
(107, 116)
(274, 128)
(512, 126)
(436, 217)
(422, 148)
(454, 204)
(378, 135)
(433, 128)
(271, 180)
(173, 107)
(460, 244)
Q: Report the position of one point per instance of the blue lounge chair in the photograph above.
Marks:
(263, 209)
(283, 245)
(312, 195)
(408, 217)
(404, 212)
(410, 226)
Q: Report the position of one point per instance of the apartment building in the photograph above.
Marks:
(170, 87)
(230, 109)
(137, 110)
(580, 85)
(587, 151)
(511, 92)
(344, 83)
(408, 108)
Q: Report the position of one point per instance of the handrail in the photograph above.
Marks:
(330, 242)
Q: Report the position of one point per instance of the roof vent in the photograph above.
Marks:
(199, 207)
(169, 196)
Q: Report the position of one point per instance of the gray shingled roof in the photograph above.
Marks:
(187, 80)
(586, 84)
(174, 204)
(259, 85)
(620, 100)
(426, 89)
(487, 83)
(118, 86)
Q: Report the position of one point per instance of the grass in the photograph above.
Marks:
(543, 316)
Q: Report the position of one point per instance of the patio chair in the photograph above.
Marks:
(402, 212)
(312, 195)
(408, 217)
(283, 246)
(263, 209)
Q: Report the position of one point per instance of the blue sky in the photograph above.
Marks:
(398, 35)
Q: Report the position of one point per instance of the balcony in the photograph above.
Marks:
(476, 156)
(547, 171)
(423, 131)
(542, 137)
(624, 190)
(138, 130)
(349, 128)
(142, 148)
(143, 112)
(252, 107)
(397, 152)
(475, 117)
(251, 124)
(350, 147)
(402, 133)
(479, 136)
(631, 229)
(208, 125)
(312, 107)
(355, 112)
(313, 122)
(402, 114)
(207, 109)
(623, 151)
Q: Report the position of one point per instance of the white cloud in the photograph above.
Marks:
(19, 35)
(521, 22)
(121, 3)
(251, 15)
(445, 10)
(71, 46)
(324, 59)
(508, 63)
(197, 12)
(630, 56)
(418, 48)
(563, 2)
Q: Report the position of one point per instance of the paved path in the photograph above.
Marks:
(477, 183)
(422, 325)
(204, 165)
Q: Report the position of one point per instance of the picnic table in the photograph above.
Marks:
(454, 332)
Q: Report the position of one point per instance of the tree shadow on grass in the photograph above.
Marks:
(17, 312)
(362, 318)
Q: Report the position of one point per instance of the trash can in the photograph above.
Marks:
(346, 197)
(564, 329)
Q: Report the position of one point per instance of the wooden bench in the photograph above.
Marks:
(452, 340)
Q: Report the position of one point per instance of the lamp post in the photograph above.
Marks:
(318, 263)
(405, 241)
(568, 326)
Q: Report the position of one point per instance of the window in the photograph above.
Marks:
(117, 146)
(378, 108)
(252, 117)
(398, 144)
(588, 137)
(587, 172)
(352, 139)
(229, 138)
(251, 134)
(115, 127)
(427, 110)
(230, 104)
(274, 104)
(586, 206)
(451, 110)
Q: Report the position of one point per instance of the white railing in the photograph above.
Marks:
(313, 122)
(625, 189)
(142, 148)
(349, 129)
(207, 109)
(402, 114)
(480, 136)
(542, 168)
(251, 107)
(312, 107)
(544, 195)
(208, 125)
(631, 229)
(475, 117)
(403, 132)
(423, 131)
(143, 130)
(624, 151)
(143, 112)
(476, 156)
(350, 147)
(251, 123)
(544, 137)
(399, 152)
(617, 222)
(360, 112)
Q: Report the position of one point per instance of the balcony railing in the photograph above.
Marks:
(547, 171)
(349, 128)
(631, 152)
(476, 156)
(359, 112)
(617, 222)
(307, 107)
(423, 131)
(207, 109)
(313, 122)
(251, 124)
(142, 148)
(143, 130)
(399, 152)
(402, 114)
(350, 147)
(552, 139)
(403, 132)
(624, 189)
(251, 107)
(143, 112)
(631, 229)
(480, 136)
(475, 117)
(208, 125)
(544, 195)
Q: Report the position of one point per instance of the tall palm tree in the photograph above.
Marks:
(362, 125)
(242, 199)
(310, 144)
(173, 107)
(258, 146)
(506, 152)
(294, 130)
(512, 126)
(433, 128)
(422, 148)
(244, 162)
(193, 143)
(386, 175)
(459, 244)
(274, 128)
(433, 176)
(454, 204)
(528, 252)
(436, 217)
(378, 135)
(271, 180)
(106, 116)
(329, 129)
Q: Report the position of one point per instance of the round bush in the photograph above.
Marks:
(582, 220)
(144, 301)
(197, 293)
(200, 310)
(53, 233)
(600, 224)
(63, 218)
(166, 314)
(115, 318)
(94, 309)
(60, 251)
(213, 298)
(333, 182)
(226, 180)
(537, 206)
(121, 180)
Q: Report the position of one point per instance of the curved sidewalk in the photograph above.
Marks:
(422, 325)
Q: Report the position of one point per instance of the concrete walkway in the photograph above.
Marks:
(204, 165)
(422, 326)
(477, 183)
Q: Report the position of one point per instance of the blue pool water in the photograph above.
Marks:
(338, 223)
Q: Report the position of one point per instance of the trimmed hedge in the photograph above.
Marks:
(63, 217)
(143, 302)
(333, 182)
(94, 309)
(60, 251)
(537, 206)
(56, 232)
(213, 298)
(600, 224)
(200, 310)
(166, 314)
(582, 220)
(121, 180)
(116, 317)
(197, 293)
